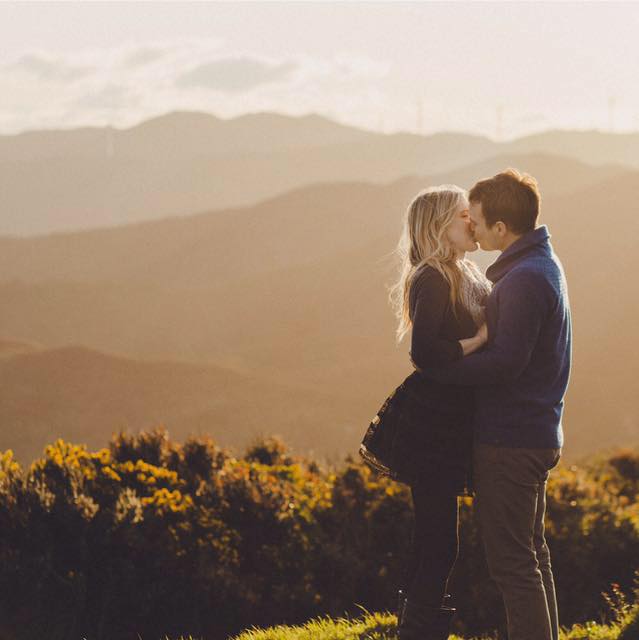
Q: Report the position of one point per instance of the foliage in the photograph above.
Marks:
(164, 539)
(592, 527)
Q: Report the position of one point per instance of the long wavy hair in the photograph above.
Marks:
(423, 241)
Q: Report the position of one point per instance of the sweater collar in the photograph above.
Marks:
(537, 237)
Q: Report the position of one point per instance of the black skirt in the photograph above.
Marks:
(435, 439)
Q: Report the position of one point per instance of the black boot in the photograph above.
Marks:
(421, 622)
(401, 603)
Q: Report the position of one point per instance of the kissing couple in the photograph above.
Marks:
(492, 361)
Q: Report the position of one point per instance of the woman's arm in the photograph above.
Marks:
(430, 295)
(524, 304)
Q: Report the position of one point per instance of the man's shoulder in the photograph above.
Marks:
(538, 279)
(537, 267)
(536, 274)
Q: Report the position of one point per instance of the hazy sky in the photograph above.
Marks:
(387, 66)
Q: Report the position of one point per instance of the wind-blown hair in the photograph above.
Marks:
(423, 241)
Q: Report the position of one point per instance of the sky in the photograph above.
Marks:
(502, 70)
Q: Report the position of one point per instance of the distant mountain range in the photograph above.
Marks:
(288, 229)
(185, 162)
(274, 316)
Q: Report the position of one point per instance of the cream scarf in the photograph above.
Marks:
(474, 289)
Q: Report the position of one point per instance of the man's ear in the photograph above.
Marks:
(501, 228)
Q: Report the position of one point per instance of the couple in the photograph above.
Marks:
(492, 357)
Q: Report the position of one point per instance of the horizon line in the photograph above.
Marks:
(316, 114)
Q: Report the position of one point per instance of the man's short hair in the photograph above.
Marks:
(509, 196)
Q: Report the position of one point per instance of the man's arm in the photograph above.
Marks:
(524, 303)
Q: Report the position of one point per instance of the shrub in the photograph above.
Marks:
(152, 537)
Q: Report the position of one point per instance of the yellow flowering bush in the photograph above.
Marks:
(164, 539)
(9, 468)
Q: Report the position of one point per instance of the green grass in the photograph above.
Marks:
(372, 626)
(591, 631)
(383, 626)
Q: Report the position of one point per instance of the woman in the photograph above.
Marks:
(440, 294)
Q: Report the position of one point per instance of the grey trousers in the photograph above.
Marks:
(510, 485)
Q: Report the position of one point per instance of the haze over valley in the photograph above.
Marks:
(229, 277)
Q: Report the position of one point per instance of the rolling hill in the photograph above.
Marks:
(184, 162)
(299, 226)
(292, 293)
(84, 395)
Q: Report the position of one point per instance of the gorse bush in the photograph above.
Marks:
(151, 537)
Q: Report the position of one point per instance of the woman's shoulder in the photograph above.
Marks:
(428, 284)
(429, 278)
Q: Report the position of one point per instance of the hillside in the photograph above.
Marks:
(186, 133)
(183, 162)
(299, 226)
(84, 395)
(300, 300)
(597, 147)
(10, 348)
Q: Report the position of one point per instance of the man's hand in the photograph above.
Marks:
(470, 345)
(525, 301)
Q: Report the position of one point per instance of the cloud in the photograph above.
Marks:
(236, 75)
(48, 68)
(532, 119)
(110, 96)
(134, 81)
(143, 56)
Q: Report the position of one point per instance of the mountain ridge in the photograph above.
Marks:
(173, 165)
(275, 295)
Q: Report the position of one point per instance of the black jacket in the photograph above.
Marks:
(439, 442)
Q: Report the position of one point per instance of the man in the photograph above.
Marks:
(521, 377)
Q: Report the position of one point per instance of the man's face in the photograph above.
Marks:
(487, 237)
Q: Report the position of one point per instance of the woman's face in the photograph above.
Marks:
(459, 231)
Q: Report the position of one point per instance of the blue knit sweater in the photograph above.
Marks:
(522, 373)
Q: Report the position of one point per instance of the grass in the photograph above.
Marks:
(371, 626)
(383, 626)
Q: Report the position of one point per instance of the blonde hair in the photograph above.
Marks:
(423, 241)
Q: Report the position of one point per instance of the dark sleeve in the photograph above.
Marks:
(429, 298)
(524, 304)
